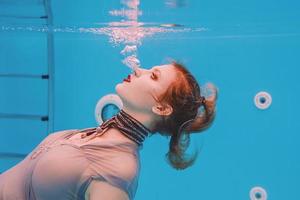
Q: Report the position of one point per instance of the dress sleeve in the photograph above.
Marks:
(118, 169)
(128, 186)
(56, 135)
(49, 139)
(101, 189)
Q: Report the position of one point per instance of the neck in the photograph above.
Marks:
(145, 118)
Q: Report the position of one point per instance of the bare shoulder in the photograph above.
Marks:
(103, 190)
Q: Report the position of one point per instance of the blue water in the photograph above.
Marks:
(243, 47)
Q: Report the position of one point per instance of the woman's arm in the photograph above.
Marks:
(101, 190)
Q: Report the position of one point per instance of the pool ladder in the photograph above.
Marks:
(49, 77)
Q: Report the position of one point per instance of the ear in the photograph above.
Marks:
(162, 110)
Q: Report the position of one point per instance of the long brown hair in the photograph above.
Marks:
(184, 96)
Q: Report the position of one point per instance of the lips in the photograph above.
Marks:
(127, 79)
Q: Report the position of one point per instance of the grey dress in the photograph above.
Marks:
(61, 168)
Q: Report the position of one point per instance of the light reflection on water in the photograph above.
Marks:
(100, 30)
(127, 32)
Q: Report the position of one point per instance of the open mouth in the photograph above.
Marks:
(127, 79)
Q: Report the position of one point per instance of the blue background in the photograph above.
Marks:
(247, 47)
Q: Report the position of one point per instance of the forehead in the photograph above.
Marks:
(164, 68)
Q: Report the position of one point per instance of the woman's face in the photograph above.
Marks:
(145, 85)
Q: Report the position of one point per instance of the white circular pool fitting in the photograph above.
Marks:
(258, 193)
(262, 100)
(107, 100)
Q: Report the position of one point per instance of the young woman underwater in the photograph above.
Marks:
(103, 162)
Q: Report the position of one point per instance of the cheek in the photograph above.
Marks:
(144, 91)
(140, 93)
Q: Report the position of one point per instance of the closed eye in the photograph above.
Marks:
(153, 76)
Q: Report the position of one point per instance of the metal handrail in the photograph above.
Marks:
(24, 116)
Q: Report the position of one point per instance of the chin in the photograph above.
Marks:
(120, 90)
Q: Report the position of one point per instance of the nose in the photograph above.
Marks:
(138, 72)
